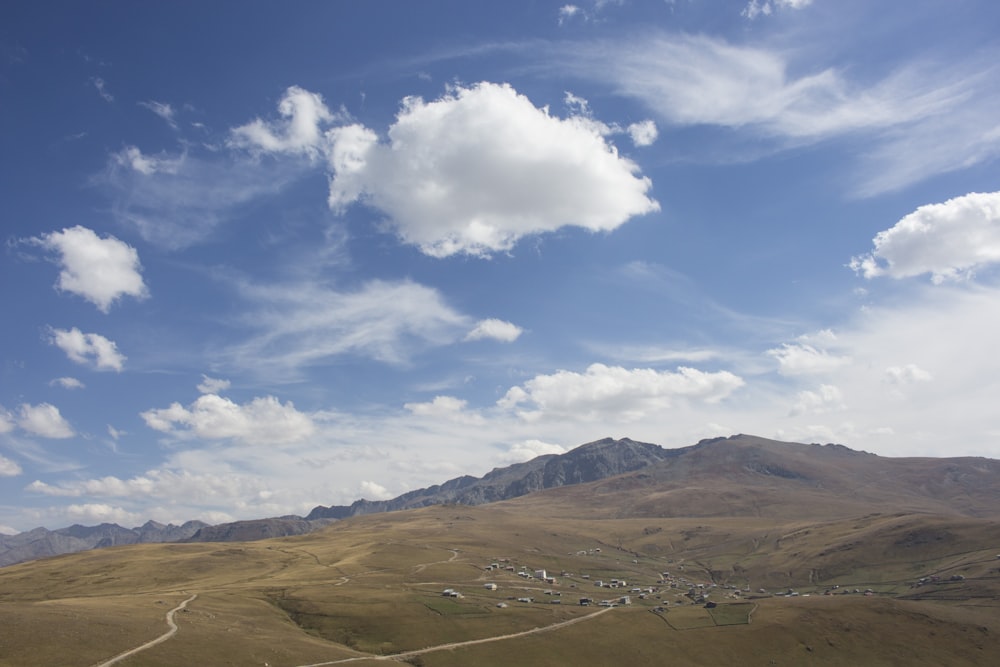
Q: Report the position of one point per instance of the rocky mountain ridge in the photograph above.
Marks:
(41, 542)
(587, 463)
(741, 475)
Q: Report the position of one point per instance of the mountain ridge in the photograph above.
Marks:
(739, 475)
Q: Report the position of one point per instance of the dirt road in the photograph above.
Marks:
(472, 642)
(162, 638)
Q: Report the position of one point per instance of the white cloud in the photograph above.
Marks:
(372, 491)
(949, 241)
(566, 12)
(695, 80)
(482, 167)
(755, 8)
(500, 330)
(163, 110)
(300, 132)
(102, 513)
(908, 374)
(90, 348)
(9, 468)
(261, 421)
(826, 398)
(101, 270)
(445, 408)
(44, 420)
(529, 449)
(212, 385)
(776, 100)
(68, 383)
(605, 392)
(7, 530)
(175, 201)
(806, 359)
(6, 421)
(305, 324)
(147, 165)
(643, 133)
(102, 89)
(439, 407)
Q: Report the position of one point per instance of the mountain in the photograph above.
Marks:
(257, 529)
(40, 542)
(742, 475)
(749, 476)
(587, 463)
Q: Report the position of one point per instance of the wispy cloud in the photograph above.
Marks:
(298, 325)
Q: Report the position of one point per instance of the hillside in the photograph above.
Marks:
(741, 475)
(872, 590)
(754, 477)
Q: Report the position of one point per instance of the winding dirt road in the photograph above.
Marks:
(471, 642)
(162, 638)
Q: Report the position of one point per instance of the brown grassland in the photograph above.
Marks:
(370, 589)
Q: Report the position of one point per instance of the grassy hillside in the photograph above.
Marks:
(373, 586)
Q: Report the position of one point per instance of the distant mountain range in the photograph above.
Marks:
(737, 476)
(39, 543)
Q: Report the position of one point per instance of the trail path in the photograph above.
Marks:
(471, 642)
(162, 638)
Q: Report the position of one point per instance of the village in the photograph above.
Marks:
(540, 586)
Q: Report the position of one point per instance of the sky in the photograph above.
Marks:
(264, 256)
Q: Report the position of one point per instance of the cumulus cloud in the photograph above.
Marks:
(88, 349)
(101, 513)
(6, 421)
(643, 133)
(212, 385)
(303, 324)
(44, 421)
(9, 468)
(101, 270)
(949, 241)
(372, 491)
(300, 130)
(159, 484)
(261, 421)
(806, 359)
(495, 329)
(440, 406)
(529, 449)
(826, 398)
(614, 392)
(445, 409)
(482, 167)
(68, 383)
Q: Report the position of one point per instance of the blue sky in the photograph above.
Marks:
(260, 257)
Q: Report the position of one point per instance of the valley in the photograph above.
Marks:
(502, 583)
